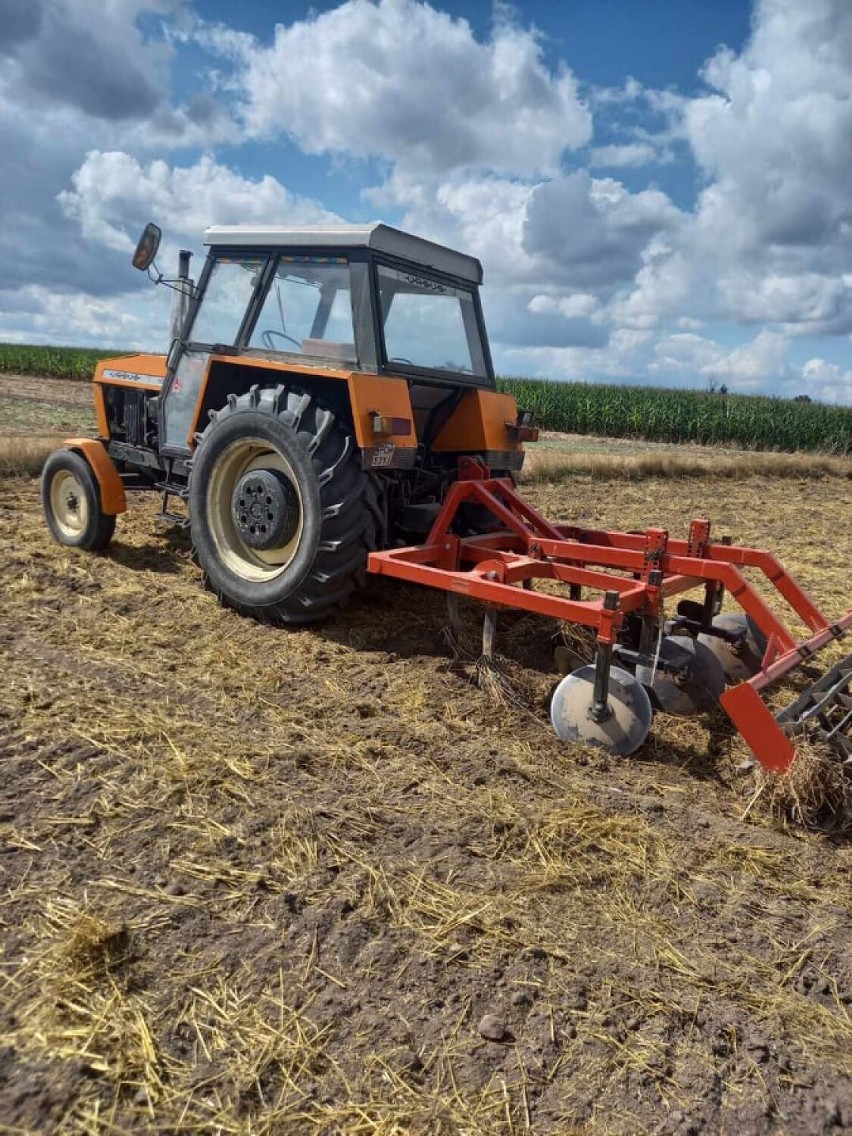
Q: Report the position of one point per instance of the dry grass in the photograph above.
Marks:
(24, 457)
(553, 465)
(815, 792)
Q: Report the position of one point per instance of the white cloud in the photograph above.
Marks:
(62, 52)
(114, 195)
(748, 368)
(772, 232)
(469, 135)
(556, 253)
(77, 76)
(137, 320)
(824, 381)
(400, 80)
(617, 359)
(628, 154)
(579, 305)
(594, 233)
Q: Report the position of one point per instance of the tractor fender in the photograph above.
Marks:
(113, 497)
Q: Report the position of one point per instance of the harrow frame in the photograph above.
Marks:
(632, 573)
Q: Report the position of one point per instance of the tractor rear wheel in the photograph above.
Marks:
(282, 515)
(71, 499)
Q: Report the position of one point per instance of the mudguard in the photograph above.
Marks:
(113, 497)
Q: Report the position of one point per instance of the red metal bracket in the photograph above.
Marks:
(699, 538)
(656, 541)
(473, 469)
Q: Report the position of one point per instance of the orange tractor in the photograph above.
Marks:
(328, 406)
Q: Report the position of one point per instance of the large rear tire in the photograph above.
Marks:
(71, 499)
(282, 515)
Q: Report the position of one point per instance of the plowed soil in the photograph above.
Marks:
(319, 881)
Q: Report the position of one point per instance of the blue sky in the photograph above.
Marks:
(657, 191)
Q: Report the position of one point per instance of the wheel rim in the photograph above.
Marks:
(241, 457)
(69, 504)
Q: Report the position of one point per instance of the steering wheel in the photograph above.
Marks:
(400, 359)
(267, 337)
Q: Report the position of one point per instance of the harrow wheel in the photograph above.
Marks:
(621, 731)
(739, 662)
(71, 500)
(700, 687)
(282, 515)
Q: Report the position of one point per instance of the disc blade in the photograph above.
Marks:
(697, 692)
(739, 664)
(625, 728)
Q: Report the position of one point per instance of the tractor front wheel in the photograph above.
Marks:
(282, 514)
(71, 499)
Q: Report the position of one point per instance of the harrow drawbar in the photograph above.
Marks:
(617, 584)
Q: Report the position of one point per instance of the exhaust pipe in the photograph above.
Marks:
(181, 295)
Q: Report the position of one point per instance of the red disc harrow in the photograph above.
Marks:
(617, 584)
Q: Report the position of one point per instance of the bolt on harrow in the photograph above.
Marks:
(617, 585)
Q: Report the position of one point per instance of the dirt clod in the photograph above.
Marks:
(493, 1027)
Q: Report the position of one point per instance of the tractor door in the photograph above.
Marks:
(227, 289)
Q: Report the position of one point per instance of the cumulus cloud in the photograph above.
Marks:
(771, 235)
(594, 233)
(60, 98)
(627, 154)
(557, 252)
(402, 81)
(134, 320)
(614, 357)
(746, 368)
(114, 195)
(71, 53)
(579, 305)
(478, 140)
(825, 381)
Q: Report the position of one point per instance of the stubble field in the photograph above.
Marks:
(318, 881)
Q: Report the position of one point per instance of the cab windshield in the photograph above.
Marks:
(308, 310)
(429, 324)
(223, 307)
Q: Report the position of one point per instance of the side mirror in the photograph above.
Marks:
(146, 250)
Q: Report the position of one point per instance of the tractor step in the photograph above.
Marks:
(168, 490)
(172, 519)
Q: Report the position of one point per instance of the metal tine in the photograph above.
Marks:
(844, 721)
(831, 695)
(454, 616)
(489, 630)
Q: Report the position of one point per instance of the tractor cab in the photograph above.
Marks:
(358, 298)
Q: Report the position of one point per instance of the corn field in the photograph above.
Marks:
(76, 363)
(652, 413)
(663, 415)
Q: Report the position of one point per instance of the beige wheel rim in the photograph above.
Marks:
(240, 458)
(69, 504)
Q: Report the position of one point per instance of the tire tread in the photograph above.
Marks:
(348, 506)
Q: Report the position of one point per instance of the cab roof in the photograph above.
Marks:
(377, 236)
